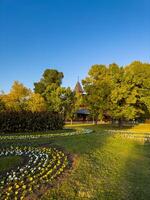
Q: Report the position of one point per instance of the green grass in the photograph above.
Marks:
(9, 162)
(106, 166)
(39, 133)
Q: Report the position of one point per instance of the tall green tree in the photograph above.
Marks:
(60, 100)
(76, 103)
(50, 88)
(50, 77)
(130, 95)
(97, 88)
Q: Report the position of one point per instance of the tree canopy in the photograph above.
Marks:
(17, 97)
(123, 93)
(113, 92)
(50, 77)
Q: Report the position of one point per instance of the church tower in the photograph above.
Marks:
(78, 88)
(82, 113)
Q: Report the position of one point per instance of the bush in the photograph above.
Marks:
(29, 122)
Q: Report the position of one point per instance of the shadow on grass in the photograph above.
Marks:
(137, 173)
(110, 168)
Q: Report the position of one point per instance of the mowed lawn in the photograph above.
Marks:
(9, 162)
(106, 167)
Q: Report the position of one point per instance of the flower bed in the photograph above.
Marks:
(131, 134)
(45, 135)
(42, 167)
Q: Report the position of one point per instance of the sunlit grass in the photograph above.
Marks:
(106, 167)
(141, 128)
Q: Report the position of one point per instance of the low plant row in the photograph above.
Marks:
(129, 134)
(45, 135)
(128, 131)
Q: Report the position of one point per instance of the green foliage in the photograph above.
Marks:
(36, 103)
(58, 99)
(121, 93)
(130, 97)
(17, 98)
(61, 100)
(2, 104)
(112, 92)
(97, 88)
(24, 121)
(51, 77)
(20, 99)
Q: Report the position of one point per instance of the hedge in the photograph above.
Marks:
(29, 122)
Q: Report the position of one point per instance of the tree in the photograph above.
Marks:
(123, 93)
(60, 100)
(97, 88)
(75, 102)
(138, 75)
(36, 103)
(130, 96)
(2, 104)
(17, 98)
(50, 77)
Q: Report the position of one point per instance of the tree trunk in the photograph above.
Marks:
(71, 121)
(96, 120)
(93, 120)
(120, 123)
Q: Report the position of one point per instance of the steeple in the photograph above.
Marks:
(78, 88)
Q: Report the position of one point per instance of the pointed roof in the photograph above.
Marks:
(78, 88)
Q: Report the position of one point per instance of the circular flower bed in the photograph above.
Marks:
(42, 166)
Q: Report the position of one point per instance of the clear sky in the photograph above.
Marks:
(70, 36)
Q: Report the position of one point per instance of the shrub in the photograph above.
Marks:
(25, 121)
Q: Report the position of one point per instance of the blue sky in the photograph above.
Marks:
(70, 36)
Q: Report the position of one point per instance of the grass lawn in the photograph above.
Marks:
(39, 133)
(9, 162)
(106, 166)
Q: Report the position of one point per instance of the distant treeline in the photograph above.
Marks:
(112, 92)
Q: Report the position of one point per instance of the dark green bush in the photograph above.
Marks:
(29, 122)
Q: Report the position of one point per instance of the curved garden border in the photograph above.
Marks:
(43, 166)
(45, 135)
(140, 136)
